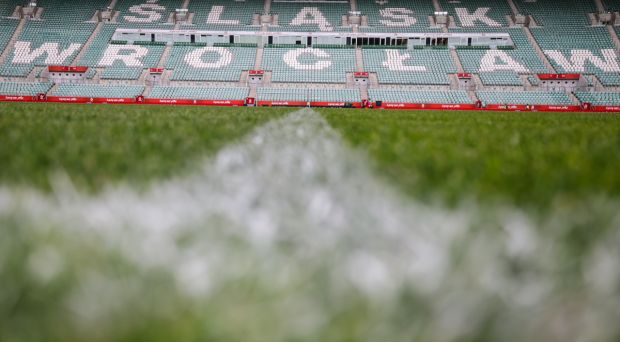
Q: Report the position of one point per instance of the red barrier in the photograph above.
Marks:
(282, 103)
(72, 69)
(396, 105)
(614, 109)
(238, 103)
(305, 104)
(184, 102)
(553, 77)
(17, 98)
(70, 99)
(533, 108)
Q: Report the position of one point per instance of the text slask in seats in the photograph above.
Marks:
(318, 14)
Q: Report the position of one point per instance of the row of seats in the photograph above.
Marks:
(410, 67)
(524, 98)
(309, 95)
(43, 33)
(210, 63)
(199, 93)
(7, 28)
(388, 95)
(231, 15)
(572, 50)
(463, 11)
(599, 98)
(24, 89)
(523, 55)
(568, 14)
(132, 13)
(67, 13)
(500, 78)
(98, 90)
(309, 65)
(311, 16)
(396, 15)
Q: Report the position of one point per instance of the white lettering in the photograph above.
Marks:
(578, 59)
(395, 62)
(24, 55)
(291, 58)
(132, 56)
(403, 15)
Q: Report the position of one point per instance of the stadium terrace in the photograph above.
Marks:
(511, 54)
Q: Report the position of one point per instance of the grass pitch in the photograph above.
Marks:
(349, 226)
(530, 159)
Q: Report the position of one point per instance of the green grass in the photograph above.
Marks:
(531, 159)
(99, 145)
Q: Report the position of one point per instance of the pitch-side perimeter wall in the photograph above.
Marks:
(240, 103)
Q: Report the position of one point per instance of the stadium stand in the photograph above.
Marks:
(396, 15)
(521, 59)
(418, 66)
(24, 89)
(500, 78)
(194, 93)
(146, 13)
(570, 14)
(311, 16)
(98, 90)
(8, 6)
(41, 35)
(7, 28)
(524, 98)
(225, 15)
(387, 95)
(612, 5)
(599, 98)
(309, 64)
(477, 13)
(588, 50)
(563, 39)
(210, 63)
(309, 95)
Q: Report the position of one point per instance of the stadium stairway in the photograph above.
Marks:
(614, 37)
(87, 45)
(574, 98)
(53, 89)
(164, 57)
(513, 7)
(359, 59)
(456, 60)
(526, 82)
(11, 44)
(259, 58)
(539, 51)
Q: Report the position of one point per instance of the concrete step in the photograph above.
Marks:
(260, 52)
(359, 59)
(87, 45)
(456, 60)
